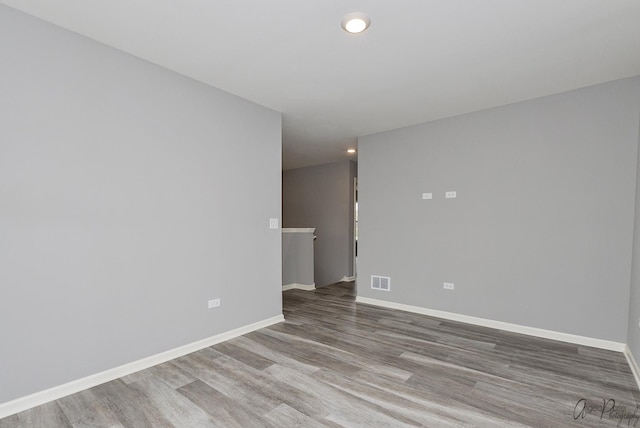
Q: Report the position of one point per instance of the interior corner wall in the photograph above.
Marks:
(540, 234)
(321, 196)
(129, 196)
(633, 337)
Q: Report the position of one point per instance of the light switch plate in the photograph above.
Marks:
(273, 223)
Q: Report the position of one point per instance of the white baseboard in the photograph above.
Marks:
(499, 325)
(18, 405)
(348, 279)
(633, 365)
(299, 287)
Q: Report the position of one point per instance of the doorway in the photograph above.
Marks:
(355, 228)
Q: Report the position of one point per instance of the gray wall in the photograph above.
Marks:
(633, 338)
(540, 234)
(322, 197)
(129, 196)
(297, 258)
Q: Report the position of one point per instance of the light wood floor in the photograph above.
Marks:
(334, 363)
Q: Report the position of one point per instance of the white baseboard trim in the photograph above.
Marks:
(633, 365)
(499, 325)
(299, 287)
(348, 279)
(20, 404)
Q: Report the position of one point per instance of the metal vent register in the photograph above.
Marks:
(380, 283)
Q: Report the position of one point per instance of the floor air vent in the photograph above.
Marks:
(382, 283)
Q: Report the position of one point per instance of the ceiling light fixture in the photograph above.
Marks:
(351, 151)
(355, 23)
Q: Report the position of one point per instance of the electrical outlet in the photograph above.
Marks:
(448, 286)
(214, 303)
(450, 195)
(427, 196)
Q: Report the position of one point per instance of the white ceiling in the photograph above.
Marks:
(420, 60)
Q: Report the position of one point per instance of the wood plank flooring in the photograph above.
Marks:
(337, 364)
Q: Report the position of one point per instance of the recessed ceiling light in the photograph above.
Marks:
(351, 151)
(355, 23)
